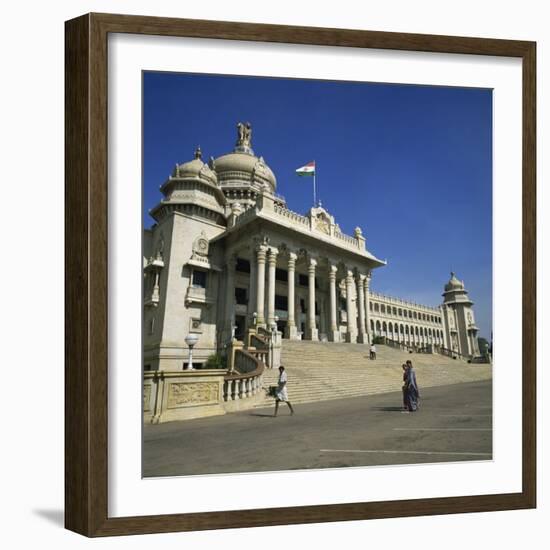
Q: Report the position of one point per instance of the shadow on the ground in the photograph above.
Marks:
(388, 409)
(262, 414)
(57, 517)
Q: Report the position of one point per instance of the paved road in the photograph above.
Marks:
(454, 423)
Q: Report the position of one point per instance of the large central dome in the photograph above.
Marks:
(241, 169)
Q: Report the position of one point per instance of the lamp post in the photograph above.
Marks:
(191, 340)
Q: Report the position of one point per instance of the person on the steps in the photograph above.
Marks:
(372, 351)
(282, 394)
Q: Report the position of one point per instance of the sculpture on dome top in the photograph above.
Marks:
(244, 134)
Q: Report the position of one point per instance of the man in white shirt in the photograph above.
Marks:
(372, 351)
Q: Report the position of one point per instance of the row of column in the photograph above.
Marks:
(355, 332)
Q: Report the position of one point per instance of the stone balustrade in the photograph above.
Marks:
(245, 383)
(293, 216)
(406, 303)
(348, 239)
(188, 394)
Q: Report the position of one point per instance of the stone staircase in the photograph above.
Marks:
(320, 371)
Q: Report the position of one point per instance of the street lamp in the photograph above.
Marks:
(191, 340)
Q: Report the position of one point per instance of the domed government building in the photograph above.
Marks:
(228, 265)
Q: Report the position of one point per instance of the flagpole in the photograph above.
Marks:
(314, 190)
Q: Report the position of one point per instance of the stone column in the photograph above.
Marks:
(260, 287)
(291, 330)
(367, 309)
(351, 334)
(362, 338)
(312, 333)
(334, 333)
(155, 295)
(252, 287)
(272, 265)
(230, 296)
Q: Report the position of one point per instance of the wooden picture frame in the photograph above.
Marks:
(86, 222)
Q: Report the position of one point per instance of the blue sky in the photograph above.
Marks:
(411, 165)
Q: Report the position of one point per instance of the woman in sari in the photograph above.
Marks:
(411, 392)
(404, 387)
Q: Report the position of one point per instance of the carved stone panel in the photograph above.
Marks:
(146, 398)
(192, 393)
(321, 224)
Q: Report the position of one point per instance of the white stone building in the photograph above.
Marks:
(226, 255)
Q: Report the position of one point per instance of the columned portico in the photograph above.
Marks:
(272, 264)
(312, 332)
(351, 333)
(291, 330)
(334, 333)
(362, 338)
(261, 253)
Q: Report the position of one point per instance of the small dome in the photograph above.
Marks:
(243, 167)
(195, 168)
(454, 284)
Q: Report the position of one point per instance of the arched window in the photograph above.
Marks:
(377, 327)
(376, 307)
(370, 306)
(372, 325)
(400, 312)
(395, 311)
(385, 328)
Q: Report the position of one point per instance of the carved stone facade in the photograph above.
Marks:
(233, 256)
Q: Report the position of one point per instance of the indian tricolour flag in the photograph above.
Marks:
(307, 170)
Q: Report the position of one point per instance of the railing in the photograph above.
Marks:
(259, 342)
(248, 213)
(294, 216)
(453, 354)
(248, 379)
(352, 241)
(401, 345)
(398, 301)
(260, 354)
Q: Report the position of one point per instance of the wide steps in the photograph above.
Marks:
(325, 371)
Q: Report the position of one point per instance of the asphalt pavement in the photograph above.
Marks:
(453, 423)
